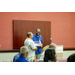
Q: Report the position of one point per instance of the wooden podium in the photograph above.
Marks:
(59, 51)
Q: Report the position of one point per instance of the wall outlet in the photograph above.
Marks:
(0, 45)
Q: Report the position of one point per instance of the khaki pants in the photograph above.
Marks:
(37, 56)
(31, 58)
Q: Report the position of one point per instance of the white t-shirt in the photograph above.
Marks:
(31, 46)
(42, 56)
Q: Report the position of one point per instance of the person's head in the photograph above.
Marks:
(71, 58)
(53, 45)
(24, 51)
(30, 35)
(50, 55)
(38, 31)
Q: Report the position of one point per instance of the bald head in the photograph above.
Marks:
(30, 35)
(38, 31)
(53, 45)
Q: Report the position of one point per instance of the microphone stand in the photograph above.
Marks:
(51, 40)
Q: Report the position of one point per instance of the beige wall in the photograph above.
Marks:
(67, 53)
(9, 56)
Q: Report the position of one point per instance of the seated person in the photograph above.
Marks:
(47, 46)
(52, 45)
(71, 58)
(16, 56)
(24, 51)
(50, 55)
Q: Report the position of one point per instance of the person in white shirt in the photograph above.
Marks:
(31, 46)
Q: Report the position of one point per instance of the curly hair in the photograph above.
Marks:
(50, 55)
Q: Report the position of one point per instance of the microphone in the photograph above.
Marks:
(51, 40)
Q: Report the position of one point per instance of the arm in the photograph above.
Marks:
(35, 48)
(32, 45)
(34, 60)
(41, 42)
(41, 45)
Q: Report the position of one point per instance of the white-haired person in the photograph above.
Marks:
(24, 51)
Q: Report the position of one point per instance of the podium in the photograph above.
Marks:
(59, 51)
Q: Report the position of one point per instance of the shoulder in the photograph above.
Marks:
(24, 60)
(31, 41)
(17, 55)
(25, 40)
(34, 35)
(40, 36)
(16, 60)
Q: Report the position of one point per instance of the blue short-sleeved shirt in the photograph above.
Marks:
(36, 39)
(21, 59)
(16, 56)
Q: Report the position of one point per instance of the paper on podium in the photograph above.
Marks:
(59, 49)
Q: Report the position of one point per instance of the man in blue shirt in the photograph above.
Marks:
(24, 51)
(16, 56)
(37, 38)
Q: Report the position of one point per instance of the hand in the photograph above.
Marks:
(36, 48)
(31, 60)
(34, 60)
(37, 61)
(41, 45)
(57, 60)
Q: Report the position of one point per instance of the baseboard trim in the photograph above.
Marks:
(12, 50)
(17, 50)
